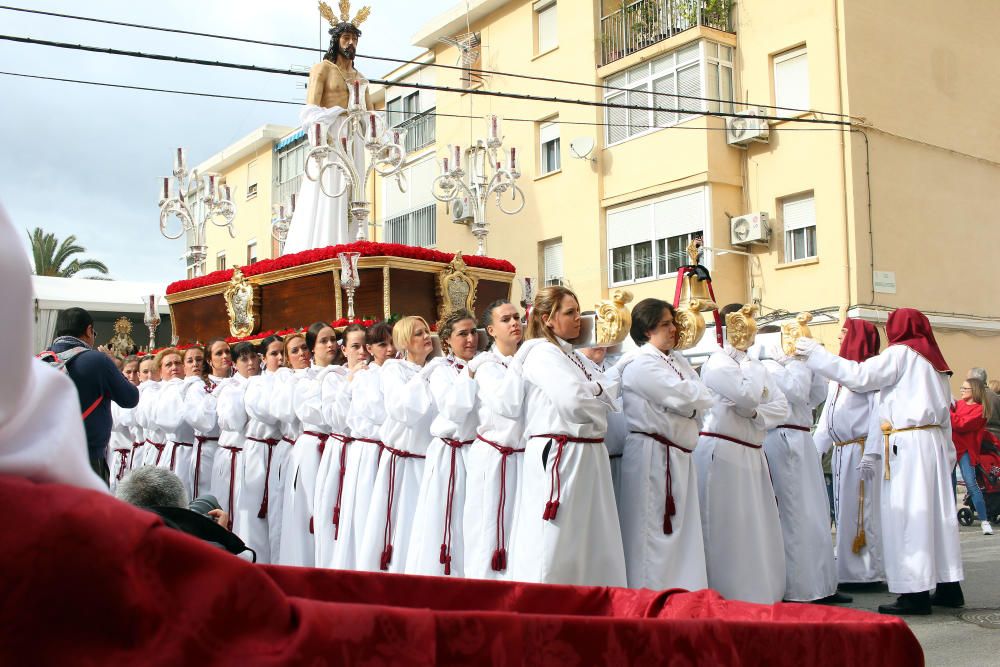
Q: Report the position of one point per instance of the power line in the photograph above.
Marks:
(426, 113)
(401, 61)
(419, 86)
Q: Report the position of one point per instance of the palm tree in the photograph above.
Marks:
(52, 258)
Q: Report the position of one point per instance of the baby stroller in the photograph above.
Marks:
(988, 477)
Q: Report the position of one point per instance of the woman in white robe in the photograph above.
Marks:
(437, 544)
(913, 454)
(845, 425)
(494, 461)
(154, 438)
(744, 553)
(366, 414)
(121, 444)
(171, 415)
(334, 475)
(799, 487)
(663, 400)
(565, 527)
(200, 409)
(297, 367)
(263, 436)
(298, 544)
(405, 435)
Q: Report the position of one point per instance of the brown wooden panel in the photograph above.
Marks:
(488, 291)
(413, 293)
(298, 302)
(368, 296)
(201, 319)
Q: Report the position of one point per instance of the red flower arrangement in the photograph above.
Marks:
(336, 324)
(366, 248)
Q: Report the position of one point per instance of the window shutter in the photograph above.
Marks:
(791, 81)
(552, 260)
(629, 226)
(548, 35)
(689, 83)
(664, 99)
(798, 212)
(638, 120)
(683, 214)
(617, 120)
(548, 132)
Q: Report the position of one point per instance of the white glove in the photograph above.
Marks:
(868, 466)
(805, 346)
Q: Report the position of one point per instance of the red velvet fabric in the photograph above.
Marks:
(89, 580)
(910, 327)
(860, 341)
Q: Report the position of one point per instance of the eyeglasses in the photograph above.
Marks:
(965, 388)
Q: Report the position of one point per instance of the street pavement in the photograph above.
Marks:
(946, 638)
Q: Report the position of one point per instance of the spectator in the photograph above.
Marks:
(97, 382)
(991, 399)
(968, 419)
(130, 368)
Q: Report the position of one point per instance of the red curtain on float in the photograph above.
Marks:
(87, 579)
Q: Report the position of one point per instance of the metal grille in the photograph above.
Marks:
(417, 227)
(636, 25)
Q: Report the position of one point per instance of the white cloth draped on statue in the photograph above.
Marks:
(845, 425)
(797, 476)
(919, 523)
(320, 220)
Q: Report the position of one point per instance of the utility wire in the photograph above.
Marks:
(419, 86)
(401, 61)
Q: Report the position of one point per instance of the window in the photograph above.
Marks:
(548, 152)
(798, 214)
(220, 260)
(417, 227)
(552, 262)
(252, 179)
(791, 81)
(546, 29)
(648, 240)
(252, 252)
(670, 85)
(290, 167)
(402, 109)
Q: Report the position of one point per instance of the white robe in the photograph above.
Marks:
(319, 220)
(366, 414)
(229, 467)
(121, 444)
(491, 475)
(846, 417)
(744, 552)
(328, 483)
(156, 450)
(438, 525)
(582, 543)
(665, 399)
(614, 439)
(797, 477)
(298, 545)
(200, 410)
(409, 411)
(172, 418)
(283, 405)
(263, 522)
(919, 524)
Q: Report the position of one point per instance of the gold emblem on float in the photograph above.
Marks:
(613, 319)
(689, 320)
(792, 331)
(240, 305)
(456, 287)
(741, 327)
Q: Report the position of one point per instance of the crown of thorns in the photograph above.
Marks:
(345, 14)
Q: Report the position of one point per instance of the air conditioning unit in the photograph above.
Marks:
(461, 211)
(750, 228)
(746, 128)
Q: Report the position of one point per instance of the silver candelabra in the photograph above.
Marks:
(335, 148)
(281, 222)
(151, 316)
(350, 278)
(216, 205)
(485, 176)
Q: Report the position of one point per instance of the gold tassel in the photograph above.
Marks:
(886, 432)
(859, 538)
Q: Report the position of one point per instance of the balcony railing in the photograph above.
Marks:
(420, 130)
(636, 25)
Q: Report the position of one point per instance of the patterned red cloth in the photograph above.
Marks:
(89, 579)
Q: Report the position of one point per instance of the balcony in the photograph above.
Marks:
(420, 130)
(635, 25)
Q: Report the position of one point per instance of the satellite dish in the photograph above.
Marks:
(582, 147)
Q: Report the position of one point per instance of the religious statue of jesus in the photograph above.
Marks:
(320, 220)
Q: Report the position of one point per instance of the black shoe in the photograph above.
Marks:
(909, 604)
(836, 598)
(863, 587)
(948, 594)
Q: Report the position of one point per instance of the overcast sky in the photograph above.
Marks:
(88, 160)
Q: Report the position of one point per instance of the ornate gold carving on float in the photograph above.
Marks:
(121, 342)
(456, 287)
(694, 281)
(613, 319)
(741, 327)
(792, 331)
(241, 305)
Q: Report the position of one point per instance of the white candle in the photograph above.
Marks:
(374, 134)
(494, 126)
(458, 157)
(315, 135)
(513, 158)
(210, 184)
(180, 160)
(444, 165)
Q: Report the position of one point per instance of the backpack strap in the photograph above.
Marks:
(93, 406)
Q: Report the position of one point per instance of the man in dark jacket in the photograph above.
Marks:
(97, 381)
